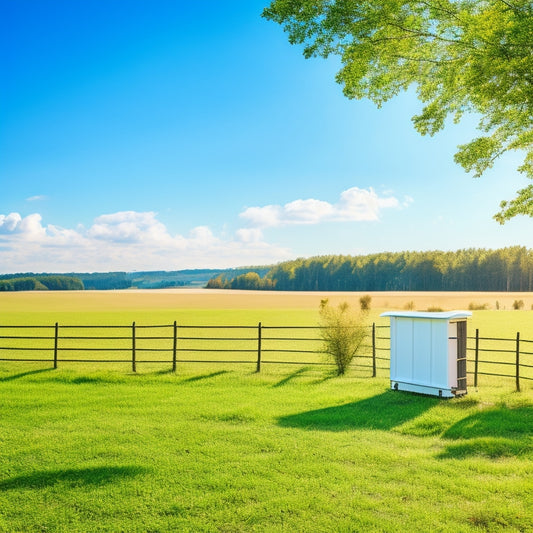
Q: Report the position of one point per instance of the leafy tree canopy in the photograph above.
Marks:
(463, 56)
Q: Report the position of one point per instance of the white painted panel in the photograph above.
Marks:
(452, 354)
(439, 349)
(422, 351)
(404, 349)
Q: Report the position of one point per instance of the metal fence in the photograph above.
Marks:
(173, 344)
(257, 345)
(501, 357)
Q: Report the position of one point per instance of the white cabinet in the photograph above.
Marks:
(428, 352)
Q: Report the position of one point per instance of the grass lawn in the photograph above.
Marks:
(220, 448)
(288, 450)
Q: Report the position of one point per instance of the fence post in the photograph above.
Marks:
(56, 337)
(518, 361)
(476, 360)
(133, 348)
(373, 349)
(258, 369)
(175, 346)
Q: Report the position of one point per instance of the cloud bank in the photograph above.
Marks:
(127, 240)
(132, 240)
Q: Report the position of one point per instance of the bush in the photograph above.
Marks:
(435, 309)
(364, 302)
(343, 333)
(518, 304)
(409, 306)
(477, 307)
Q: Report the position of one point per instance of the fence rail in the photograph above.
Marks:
(236, 344)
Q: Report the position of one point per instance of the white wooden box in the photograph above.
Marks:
(428, 352)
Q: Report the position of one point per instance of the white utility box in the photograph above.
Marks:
(428, 352)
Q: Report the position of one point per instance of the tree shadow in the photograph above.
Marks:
(489, 447)
(73, 476)
(204, 376)
(323, 379)
(383, 412)
(498, 432)
(24, 374)
(290, 377)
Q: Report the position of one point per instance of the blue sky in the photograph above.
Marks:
(167, 134)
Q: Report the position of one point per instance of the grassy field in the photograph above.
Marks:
(130, 300)
(196, 307)
(214, 450)
(220, 448)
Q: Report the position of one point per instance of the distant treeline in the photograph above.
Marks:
(506, 269)
(40, 283)
(119, 280)
(100, 281)
(167, 279)
(250, 281)
(253, 278)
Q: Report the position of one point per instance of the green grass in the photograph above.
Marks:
(220, 448)
(216, 450)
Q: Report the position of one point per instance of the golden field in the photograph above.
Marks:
(79, 301)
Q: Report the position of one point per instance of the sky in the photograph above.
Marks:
(169, 134)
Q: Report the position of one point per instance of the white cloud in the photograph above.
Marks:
(354, 205)
(249, 235)
(9, 223)
(270, 215)
(31, 229)
(129, 227)
(36, 198)
(127, 240)
(308, 211)
(202, 236)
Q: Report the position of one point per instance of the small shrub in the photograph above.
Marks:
(343, 333)
(477, 307)
(518, 304)
(435, 309)
(497, 305)
(409, 306)
(364, 302)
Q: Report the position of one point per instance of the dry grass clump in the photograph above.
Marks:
(472, 306)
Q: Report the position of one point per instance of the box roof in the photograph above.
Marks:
(439, 315)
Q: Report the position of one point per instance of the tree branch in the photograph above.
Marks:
(426, 34)
(510, 6)
(425, 60)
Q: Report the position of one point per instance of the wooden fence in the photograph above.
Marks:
(257, 345)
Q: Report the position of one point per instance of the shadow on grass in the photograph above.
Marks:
(166, 372)
(205, 376)
(24, 374)
(290, 377)
(498, 432)
(384, 412)
(81, 380)
(72, 476)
